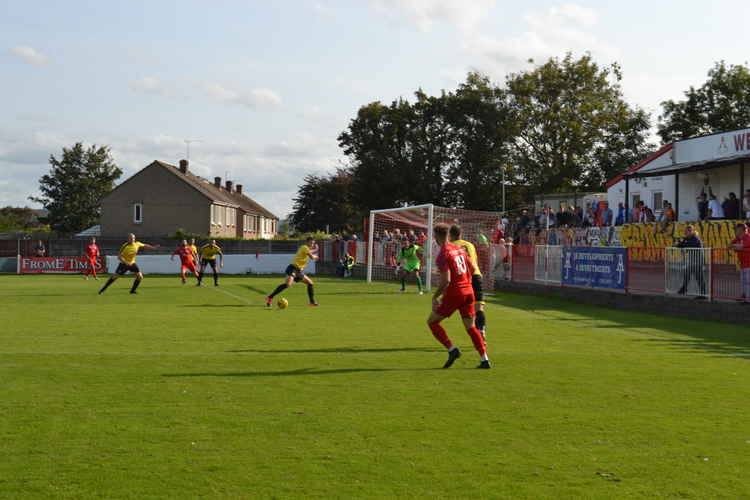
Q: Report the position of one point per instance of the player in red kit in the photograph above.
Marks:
(186, 260)
(92, 254)
(454, 293)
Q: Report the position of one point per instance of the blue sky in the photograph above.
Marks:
(267, 86)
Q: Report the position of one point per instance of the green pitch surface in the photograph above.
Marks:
(186, 392)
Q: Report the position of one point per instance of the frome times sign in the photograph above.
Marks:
(57, 265)
(599, 267)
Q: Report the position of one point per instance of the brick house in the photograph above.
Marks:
(162, 198)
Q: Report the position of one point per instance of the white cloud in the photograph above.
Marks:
(548, 33)
(465, 14)
(148, 85)
(253, 98)
(30, 55)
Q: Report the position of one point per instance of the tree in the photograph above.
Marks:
(324, 201)
(722, 103)
(73, 189)
(17, 219)
(482, 129)
(574, 128)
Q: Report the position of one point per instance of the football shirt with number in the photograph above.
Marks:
(454, 259)
(409, 255)
(302, 256)
(92, 251)
(128, 251)
(471, 251)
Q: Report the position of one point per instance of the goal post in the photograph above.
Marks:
(390, 228)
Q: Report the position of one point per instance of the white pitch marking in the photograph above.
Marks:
(241, 299)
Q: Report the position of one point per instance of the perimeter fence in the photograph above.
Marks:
(703, 273)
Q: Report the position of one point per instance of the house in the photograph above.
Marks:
(162, 198)
(681, 171)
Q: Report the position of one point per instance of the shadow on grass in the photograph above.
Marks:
(318, 291)
(220, 305)
(708, 337)
(294, 373)
(340, 350)
(259, 291)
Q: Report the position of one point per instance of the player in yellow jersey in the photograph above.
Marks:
(294, 271)
(209, 251)
(194, 248)
(476, 278)
(126, 255)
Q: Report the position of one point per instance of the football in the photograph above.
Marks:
(282, 303)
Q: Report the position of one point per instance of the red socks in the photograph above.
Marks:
(477, 340)
(439, 333)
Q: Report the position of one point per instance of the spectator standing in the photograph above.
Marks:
(702, 206)
(746, 204)
(732, 207)
(693, 267)
(620, 220)
(715, 210)
(39, 249)
(741, 244)
(607, 216)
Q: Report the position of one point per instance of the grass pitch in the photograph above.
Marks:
(186, 392)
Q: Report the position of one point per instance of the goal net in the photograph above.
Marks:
(390, 229)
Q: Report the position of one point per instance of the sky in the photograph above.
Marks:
(262, 89)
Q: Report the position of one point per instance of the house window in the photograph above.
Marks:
(138, 213)
(658, 200)
(213, 214)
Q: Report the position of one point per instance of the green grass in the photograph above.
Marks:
(185, 392)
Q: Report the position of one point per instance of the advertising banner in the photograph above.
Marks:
(58, 265)
(599, 267)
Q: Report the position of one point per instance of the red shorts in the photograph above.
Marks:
(463, 303)
(188, 266)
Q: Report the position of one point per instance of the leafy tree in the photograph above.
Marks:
(574, 128)
(324, 201)
(73, 189)
(378, 143)
(482, 130)
(721, 103)
(17, 219)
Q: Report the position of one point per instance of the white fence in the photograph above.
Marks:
(548, 263)
(233, 264)
(688, 271)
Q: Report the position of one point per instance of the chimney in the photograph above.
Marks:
(183, 166)
(238, 187)
(217, 182)
(229, 186)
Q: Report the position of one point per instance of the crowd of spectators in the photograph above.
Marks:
(397, 236)
(731, 208)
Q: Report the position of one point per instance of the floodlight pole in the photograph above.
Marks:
(503, 189)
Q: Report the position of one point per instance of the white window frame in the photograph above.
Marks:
(660, 206)
(137, 210)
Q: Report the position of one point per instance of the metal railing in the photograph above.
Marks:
(708, 273)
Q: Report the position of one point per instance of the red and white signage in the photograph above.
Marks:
(59, 265)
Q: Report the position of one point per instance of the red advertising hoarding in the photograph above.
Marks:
(59, 265)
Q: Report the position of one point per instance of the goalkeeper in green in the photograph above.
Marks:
(409, 261)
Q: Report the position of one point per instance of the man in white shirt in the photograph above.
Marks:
(715, 210)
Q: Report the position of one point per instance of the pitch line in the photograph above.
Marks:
(241, 299)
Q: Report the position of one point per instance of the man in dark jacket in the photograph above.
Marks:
(693, 261)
